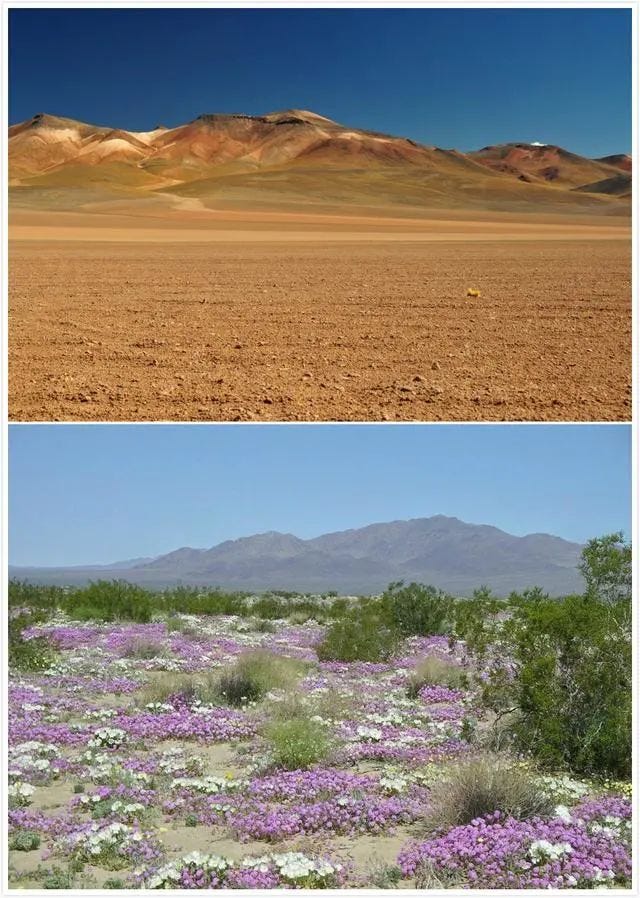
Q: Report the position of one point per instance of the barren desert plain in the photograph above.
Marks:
(313, 277)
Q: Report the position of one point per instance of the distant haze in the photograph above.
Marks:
(442, 551)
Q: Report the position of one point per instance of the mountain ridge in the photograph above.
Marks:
(299, 156)
(441, 550)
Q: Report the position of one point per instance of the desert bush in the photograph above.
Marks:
(338, 608)
(263, 626)
(29, 595)
(24, 840)
(566, 696)
(109, 600)
(56, 878)
(299, 743)
(194, 600)
(33, 654)
(300, 616)
(478, 621)
(385, 876)
(436, 671)
(417, 610)
(254, 675)
(176, 624)
(270, 607)
(362, 635)
(475, 788)
(606, 567)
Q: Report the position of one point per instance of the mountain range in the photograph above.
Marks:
(439, 550)
(294, 157)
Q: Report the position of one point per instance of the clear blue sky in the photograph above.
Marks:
(459, 78)
(94, 494)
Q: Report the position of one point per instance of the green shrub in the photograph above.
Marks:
(478, 621)
(360, 636)
(417, 610)
(569, 690)
(176, 624)
(25, 841)
(264, 626)
(606, 568)
(385, 876)
(254, 675)
(475, 788)
(110, 600)
(114, 884)
(338, 608)
(58, 879)
(270, 607)
(435, 671)
(33, 654)
(299, 743)
(30, 595)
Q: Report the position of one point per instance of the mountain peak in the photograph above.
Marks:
(440, 550)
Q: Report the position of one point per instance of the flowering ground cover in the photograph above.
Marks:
(126, 770)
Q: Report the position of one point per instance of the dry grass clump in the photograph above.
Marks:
(482, 786)
(427, 877)
(161, 688)
(254, 674)
(142, 649)
(176, 624)
(435, 671)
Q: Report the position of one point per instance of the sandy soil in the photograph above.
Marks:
(272, 316)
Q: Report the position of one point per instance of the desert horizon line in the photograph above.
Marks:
(307, 111)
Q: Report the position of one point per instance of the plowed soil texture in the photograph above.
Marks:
(303, 318)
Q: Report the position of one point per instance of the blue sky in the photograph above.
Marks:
(94, 494)
(459, 78)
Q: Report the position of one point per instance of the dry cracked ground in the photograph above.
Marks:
(285, 317)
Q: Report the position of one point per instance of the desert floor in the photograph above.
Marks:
(231, 315)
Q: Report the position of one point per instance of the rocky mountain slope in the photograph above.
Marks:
(296, 157)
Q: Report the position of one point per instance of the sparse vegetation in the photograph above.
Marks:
(32, 653)
(144, 649)
(479, 726)
(298, 744)
(417, 610)
(25, 841)
(362, 635)
(435, 671)
(254, 675)
(474, 789)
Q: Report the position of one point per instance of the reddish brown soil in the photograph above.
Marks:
(332, 329)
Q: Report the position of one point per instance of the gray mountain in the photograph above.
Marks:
(439, 550)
